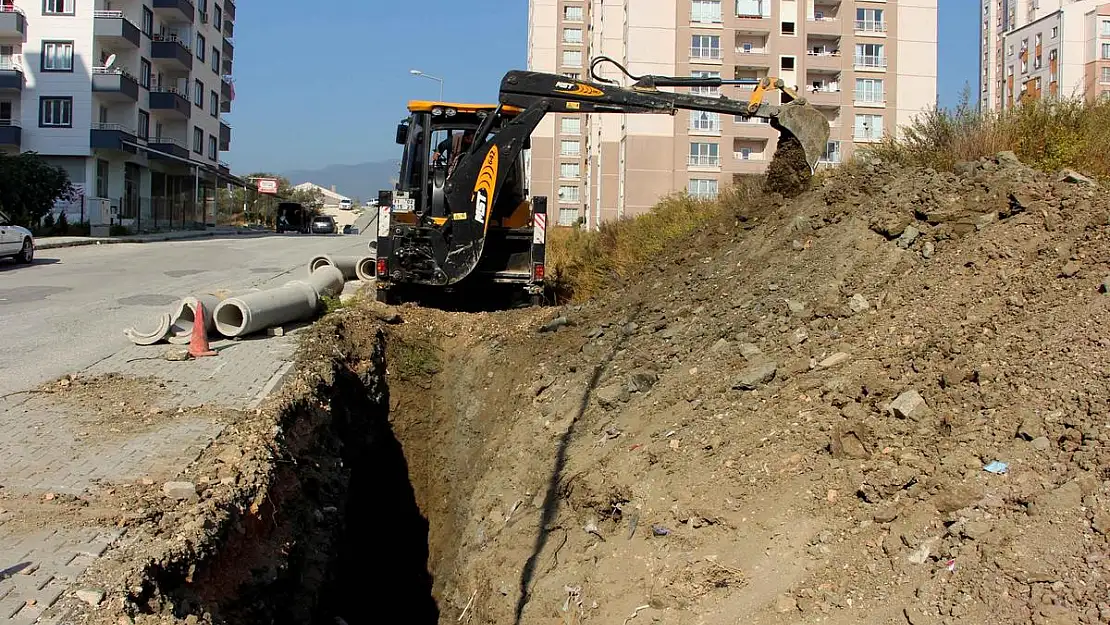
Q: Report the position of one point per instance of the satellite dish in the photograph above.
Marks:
(108, 61)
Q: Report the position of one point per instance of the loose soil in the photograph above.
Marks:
(790, 420)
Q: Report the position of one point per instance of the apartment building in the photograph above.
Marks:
(1043, 48)
(869, 65)
(127, 96)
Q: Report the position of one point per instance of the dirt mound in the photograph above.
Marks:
(802, 421)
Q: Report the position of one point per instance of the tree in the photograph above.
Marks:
(30, 187)
(262, 207)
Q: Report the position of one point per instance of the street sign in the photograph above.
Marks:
(268, 185)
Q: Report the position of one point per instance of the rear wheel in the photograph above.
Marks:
(27, 252)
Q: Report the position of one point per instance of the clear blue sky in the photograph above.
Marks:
(325, 82)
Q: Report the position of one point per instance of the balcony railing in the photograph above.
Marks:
(870, 26)
(870, 62)
(824, 19)
(751, 156)
(172, 39)
(870, 97)
(706, 128)
(707, 54)
(741, 50)
(9, 64)
(9, 123)
(703, 160)
(741, 119)
(115, 127)
(168, 141)
(823, 53)
(114, 71)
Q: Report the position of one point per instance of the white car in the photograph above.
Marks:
(16, 241)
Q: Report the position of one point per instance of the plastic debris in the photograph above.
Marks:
(659, 530)
(996, 467)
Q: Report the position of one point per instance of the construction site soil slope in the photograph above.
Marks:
(884, 401)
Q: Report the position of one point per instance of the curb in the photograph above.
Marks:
(157, 239)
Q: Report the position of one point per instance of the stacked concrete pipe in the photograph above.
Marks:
(181, 329)
(346, 264)
(297, 300)
(366, 268)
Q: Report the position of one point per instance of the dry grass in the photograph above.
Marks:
(1046, 134)
(582, 264)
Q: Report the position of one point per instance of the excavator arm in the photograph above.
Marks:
(472, 189)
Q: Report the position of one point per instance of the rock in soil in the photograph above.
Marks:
(755, 376)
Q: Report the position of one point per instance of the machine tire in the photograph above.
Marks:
(27, 253)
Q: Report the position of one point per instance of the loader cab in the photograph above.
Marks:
(431, 134)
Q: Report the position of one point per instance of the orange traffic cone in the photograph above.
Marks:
(198, 342)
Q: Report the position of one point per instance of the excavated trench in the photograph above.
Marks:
(341, 536)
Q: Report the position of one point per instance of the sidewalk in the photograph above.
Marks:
(46, 243)
(147, 423)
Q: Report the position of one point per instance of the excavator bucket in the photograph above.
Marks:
(806, 124)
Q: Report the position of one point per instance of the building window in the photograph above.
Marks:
(1037, 39)
(202, 47)
(870, 20)
(1105, 77)
(568, 194)
(56, 112)
(572, 13)
(219, 13)
(705, 47)
(215, 60)
(198, 94)
(101, 178)
(870, 55)
(572, 35)
(212, 147)
(753, 8)
(1055, 32)
(144, 73)
(786, 63)
(57, 56)
(869, 90)
(59, 7)
(573, 75)
(1106, 51)
(788, 28)
(832, 152)
(705, 11)
(144, 124)
(1010, 50)
(700, 121)
(570, 171)
(198, 140)
(710, 92)
(570, 147)
(213, 103)
(1105, 28)
(745, 154)
(705, 155)
(148, 22)
(572, 58)
(570, 125)
(868, 127)
(703, 188)
(568, 216)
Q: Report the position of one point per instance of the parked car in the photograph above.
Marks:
(345, 205)
(323, 224)
(290, 217)
(16, 241)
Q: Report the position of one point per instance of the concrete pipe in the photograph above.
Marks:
(159, 332)
(181, 329)
(366, 268)
(298, 300)
(346, 264)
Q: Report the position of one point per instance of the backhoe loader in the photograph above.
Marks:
(460, 213)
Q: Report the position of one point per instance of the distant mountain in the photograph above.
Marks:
(362, 181)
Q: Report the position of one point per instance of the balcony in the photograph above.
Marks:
(871, 28)
(225, 136)
(13, 23)
(224, 167)
(115, 85)
(168, 100)
(870, 63)
(869, 99)
(752, 58)
(225, 96)
(174, 11)
(11, 76)
(112, 137)
(229, 28)
(824, 60)
(229, 50)
(11, 135)
(706, 55)
(226, 67)
(753, 24)
(823, 96)
(703, 161)
(229, 10)
(168, 145)
(755, 164)
(823, 26)
(172, 51)
(113, 28)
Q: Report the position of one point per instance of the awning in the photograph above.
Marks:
(205, 167)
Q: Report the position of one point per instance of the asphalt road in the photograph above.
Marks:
(69, 309)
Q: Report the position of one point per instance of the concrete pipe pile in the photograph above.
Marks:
(346, 264)
(366, 268)
(298, 300)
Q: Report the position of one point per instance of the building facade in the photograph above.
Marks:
(869, 65)
(127, 96)
(1043, 48)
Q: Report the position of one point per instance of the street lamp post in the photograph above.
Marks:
(416, 72)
